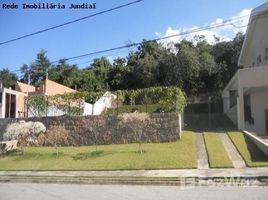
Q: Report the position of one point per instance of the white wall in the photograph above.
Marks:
(259, 102)
(103, 103)
(258, 42)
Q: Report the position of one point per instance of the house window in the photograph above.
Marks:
(266, 54)
(247, 110)
(259, 60)
(233, 98)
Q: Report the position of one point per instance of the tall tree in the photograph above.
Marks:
(7, 78)
(144, 63)
(65, 74)
(37, 70)
(101, 67)
(118, 75)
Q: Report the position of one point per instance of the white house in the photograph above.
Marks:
(246, 95)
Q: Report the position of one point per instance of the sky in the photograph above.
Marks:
(148, 19)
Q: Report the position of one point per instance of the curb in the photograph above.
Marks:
(176, 181)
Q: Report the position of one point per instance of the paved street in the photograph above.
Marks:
(23, 191)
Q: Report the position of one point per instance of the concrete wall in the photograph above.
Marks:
(259, 102)
(103, 103)
(232, 114)
(259, 142)
(80, 129)
(258, 42)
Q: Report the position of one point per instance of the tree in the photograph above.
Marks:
(37, 70)
(144, 63)
(188, 61)
(226, 55)
(89, 82)
(56, 136)
(137, 122)
(7, 78)
(117, 75)
(101, 67)
(65, 74)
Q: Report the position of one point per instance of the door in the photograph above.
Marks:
(266, 121)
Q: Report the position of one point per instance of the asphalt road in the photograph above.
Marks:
(25, 191)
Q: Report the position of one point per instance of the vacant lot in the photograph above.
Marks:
(248, 150)
(180, 154)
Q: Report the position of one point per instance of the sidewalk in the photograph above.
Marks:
(160, 177)
(203, 173)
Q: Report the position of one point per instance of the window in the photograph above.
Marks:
(266, 54)
(233, 97)
(259, 60)
(247, 109)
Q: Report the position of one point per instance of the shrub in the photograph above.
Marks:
(25, 132)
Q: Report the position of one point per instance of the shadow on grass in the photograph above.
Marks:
(256, 155)
(98, 154)
(18, 156)
(93, 154)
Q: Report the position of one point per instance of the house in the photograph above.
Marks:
(13, 102)
(245, 98)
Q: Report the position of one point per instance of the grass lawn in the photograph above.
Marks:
(217, 155)
(180, 154)
(248, 150)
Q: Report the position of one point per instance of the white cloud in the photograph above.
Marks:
(236, 24)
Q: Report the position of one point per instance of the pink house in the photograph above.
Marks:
(13, 102)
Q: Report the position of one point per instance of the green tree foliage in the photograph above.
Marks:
(144, 64)
(197, 67)
(65, 74)
(7, 78)
(101, 67)
(37, 70)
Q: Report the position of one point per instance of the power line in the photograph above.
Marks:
(71, 22)
(217, 25)
(131, 45)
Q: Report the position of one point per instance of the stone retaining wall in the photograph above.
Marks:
(81, 132)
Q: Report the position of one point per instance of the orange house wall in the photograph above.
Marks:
(53, 88)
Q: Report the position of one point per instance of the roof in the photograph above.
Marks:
(53, 88)
(49, 87)
(22, 87)
(260, 10)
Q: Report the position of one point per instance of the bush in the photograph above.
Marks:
(25, 132)
(22, 128)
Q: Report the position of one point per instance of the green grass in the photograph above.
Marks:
(252, 155)
(180, 154)
(128, 108)
(217, 155)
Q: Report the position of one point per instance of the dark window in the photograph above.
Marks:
(233, 98)
(259, 60)
(266, 54)
(247, 109)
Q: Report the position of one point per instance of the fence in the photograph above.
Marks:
(206, 114)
